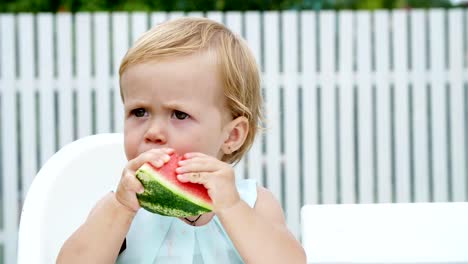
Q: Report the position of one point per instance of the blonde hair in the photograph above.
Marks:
(238, 68)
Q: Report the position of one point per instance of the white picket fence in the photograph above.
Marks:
(362, 107)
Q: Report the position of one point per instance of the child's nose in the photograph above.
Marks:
(156, 133)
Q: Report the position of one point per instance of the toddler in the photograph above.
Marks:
(189, 86)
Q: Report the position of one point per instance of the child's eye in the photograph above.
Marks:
(139, 112)
(180, 115)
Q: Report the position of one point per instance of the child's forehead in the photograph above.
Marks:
(205, 57)
(192, 61)
(184, 79)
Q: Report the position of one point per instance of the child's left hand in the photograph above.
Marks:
(217, 176)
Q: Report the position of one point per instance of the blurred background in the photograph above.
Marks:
(367, 101)
(219, 5)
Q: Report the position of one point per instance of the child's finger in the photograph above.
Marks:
(131, 183)
(164, 150)
(194, 167)
(190, 155)
(156, 157)
(199, 164)
(197, 177)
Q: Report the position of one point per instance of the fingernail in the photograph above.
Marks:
(179, 170)
(180, 177)
(166, 158)
(158, 163)
(140, 191)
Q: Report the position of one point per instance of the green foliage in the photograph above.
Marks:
(27, 5)
(388, 4)
(207, 5)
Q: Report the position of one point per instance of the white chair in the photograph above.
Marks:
(386, 233)
(63, 193)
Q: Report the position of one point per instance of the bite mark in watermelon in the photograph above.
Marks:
(164, 194)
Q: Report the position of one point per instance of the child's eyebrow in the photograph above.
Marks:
(180, 105)
(176, 105)
(133, 103)
(184, 106)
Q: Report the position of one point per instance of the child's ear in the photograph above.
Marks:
(236, 133)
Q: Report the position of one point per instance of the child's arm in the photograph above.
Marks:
(259, 234)
(99, 239)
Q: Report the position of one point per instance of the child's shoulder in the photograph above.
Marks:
(268, 205)
(247, 189)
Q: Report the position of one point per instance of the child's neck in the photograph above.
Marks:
(199, 220)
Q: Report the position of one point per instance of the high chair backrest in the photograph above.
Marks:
(63, 193)
(386, 233)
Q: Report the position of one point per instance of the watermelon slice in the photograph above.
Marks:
(164, 194)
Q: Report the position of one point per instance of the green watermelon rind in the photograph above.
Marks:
(162, 198)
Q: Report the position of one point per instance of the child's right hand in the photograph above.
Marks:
(129, 185)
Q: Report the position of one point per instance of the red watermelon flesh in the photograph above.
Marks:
(164, 194)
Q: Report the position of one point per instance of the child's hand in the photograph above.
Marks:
(129, 185)
(217, 176)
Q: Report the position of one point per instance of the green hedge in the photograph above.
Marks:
(207, 5)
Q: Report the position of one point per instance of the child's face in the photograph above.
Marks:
(176, 103)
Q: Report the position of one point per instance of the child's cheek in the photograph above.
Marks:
(131, 145)
(184, 136)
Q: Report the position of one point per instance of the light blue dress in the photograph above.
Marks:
(153, 238)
